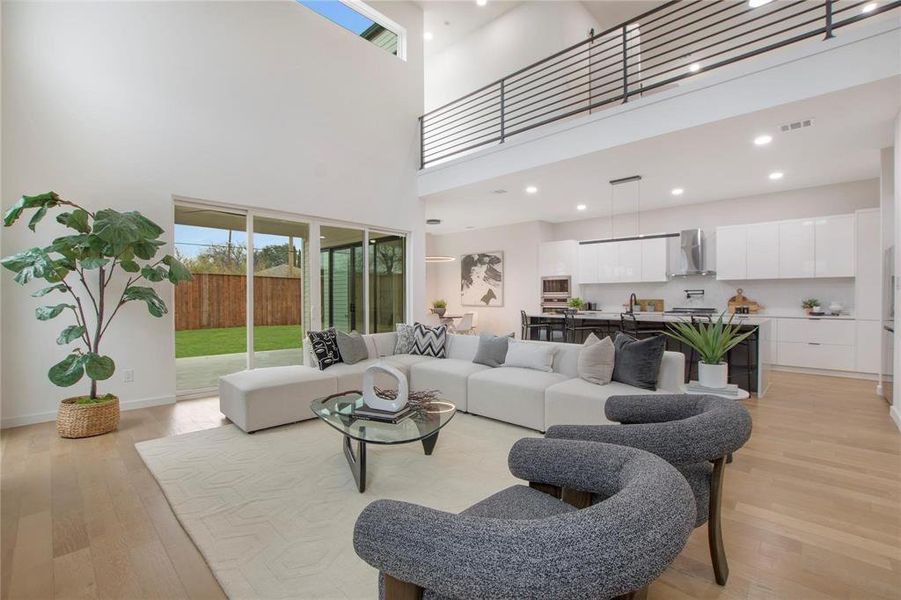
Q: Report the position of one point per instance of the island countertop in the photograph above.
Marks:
(652, 317)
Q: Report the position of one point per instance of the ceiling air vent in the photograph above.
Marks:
(433, 221)
(794, 126)
(498, 191)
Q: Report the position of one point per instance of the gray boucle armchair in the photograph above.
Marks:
(696, 434)
(526, 542)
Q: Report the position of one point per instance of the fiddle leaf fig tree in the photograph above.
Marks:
(105, 247)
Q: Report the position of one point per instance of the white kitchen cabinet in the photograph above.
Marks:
(817, 331)
(868, 346)
(654, 259)
(868, 270)
(813, 355)
(797, 248)
(588, 263)
(834, 246)
(607, 262)
(629, 261)
(763, 251)
(558, 259)
(732, 252)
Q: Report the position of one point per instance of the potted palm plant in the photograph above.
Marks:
(711, 341)
(107, 248)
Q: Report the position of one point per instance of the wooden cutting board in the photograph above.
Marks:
(739, 299)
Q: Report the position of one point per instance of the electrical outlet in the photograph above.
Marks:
(128, 375)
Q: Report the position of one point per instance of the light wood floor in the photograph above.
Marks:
(812, 506)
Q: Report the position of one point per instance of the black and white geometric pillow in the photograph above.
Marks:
(429, 341)
(325, 347)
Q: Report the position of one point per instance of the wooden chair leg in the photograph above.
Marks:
(547, 488)
(576, 498)
(714, 524)
(395, 589)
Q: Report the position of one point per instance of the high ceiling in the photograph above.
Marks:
(711, 162)
(449, 21)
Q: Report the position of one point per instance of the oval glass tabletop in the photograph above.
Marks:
(338, 411)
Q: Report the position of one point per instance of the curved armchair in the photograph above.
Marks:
(696, 434)
(525, 542)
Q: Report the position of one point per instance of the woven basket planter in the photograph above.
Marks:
(84, 420)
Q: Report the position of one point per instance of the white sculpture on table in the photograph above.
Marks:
(372, 400)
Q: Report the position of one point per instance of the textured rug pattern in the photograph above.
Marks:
(273, 512)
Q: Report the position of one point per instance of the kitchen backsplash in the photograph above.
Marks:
(774, 296)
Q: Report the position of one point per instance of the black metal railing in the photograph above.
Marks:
(647, 54)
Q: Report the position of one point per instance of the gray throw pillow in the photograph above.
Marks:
(404, 338)
(596, 360)
(638, 361)
(492, 350)
(352, 347)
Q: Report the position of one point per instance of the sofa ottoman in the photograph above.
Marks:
(272, 396)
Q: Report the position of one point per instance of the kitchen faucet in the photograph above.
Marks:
(633, 301)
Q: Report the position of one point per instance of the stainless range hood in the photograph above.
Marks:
(692, 254)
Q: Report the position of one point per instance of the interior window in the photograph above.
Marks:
(355, 22)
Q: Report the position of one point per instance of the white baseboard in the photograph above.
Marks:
(896, 415)
(45, 417)
(827, 372)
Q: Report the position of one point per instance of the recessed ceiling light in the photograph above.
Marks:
(427, 36)
(677, 191)
(481, 2)
(763, 140)
(531, 189)
(371, 241)
(776, 175)
(581, 207)
(321, 237)
(756, 3)
(870, 7)
(694, 67)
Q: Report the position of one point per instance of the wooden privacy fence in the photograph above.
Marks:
(213, 300)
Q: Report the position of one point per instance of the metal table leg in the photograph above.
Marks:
(357, 462)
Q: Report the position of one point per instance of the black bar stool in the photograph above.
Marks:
(528, 326)
(573, 324)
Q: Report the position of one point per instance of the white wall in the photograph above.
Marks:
(896, 172)
(519, 37)
(522, 287)
(125, 104)
(520, 243)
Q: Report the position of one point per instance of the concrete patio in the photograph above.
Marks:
(203, 372)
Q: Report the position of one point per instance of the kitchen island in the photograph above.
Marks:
(749, 362)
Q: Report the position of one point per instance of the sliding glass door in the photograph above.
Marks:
(210, 310)
(281, 292)
(251, 301)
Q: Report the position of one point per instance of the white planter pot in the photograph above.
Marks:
(713, 376)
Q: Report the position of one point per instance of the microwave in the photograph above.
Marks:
(556, 287)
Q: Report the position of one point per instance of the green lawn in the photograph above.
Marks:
(206, 342)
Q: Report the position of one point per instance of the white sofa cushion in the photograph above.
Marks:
(578, 402)
(539, 357)
(511, 394)
(462, 347)
(262, 398)
(448, 376)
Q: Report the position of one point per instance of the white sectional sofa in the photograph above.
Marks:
(535, 399)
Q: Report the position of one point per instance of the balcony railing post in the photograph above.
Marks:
(502, 111)
(829, 34)
(625, 69)
(421, 142)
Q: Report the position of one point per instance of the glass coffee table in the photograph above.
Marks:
(419, 426)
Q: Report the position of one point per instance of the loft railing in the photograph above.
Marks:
(654, 51)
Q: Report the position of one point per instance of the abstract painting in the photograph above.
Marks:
(482, 279)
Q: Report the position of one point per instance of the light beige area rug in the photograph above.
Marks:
(273, 512)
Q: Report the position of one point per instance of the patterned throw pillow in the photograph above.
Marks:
(324, 345)
(429, 341)
(404, 343)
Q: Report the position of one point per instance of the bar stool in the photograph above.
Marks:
(572, 325)
(528, 326)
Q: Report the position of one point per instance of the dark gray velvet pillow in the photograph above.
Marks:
(352, 347)
(492, 350)
(637, 362)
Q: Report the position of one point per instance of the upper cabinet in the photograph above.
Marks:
(834, 246)
(799, 248)
(627, 261)
(558, 258)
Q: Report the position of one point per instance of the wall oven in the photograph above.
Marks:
(555, 293)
